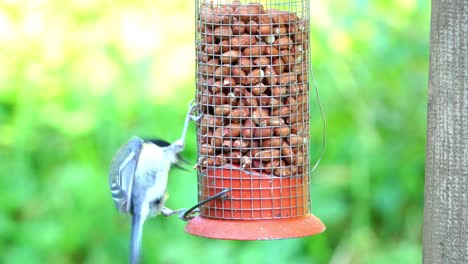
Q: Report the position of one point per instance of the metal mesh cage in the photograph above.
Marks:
(253, 90)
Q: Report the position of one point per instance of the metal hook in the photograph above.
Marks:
(209, 199)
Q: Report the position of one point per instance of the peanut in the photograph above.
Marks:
(297, 129)
(222, 110)
(230, 56)
(276, 121)
(238, 114)
(218, 99)
(255, 77)
(286, 57)
(234, 156)
(222, 32)
(251, 27)
(260, 116)
(262, 61)
(287, 78)
(249, 12)
(219, 160)
(261, 132)
(232, 130)
(227, 144)
(210, 162)
(266, 155)
(290, 101)
(283, 170)
(269, 39)
(278, 65)
(287, 153)
(224, 45)
(265, 29)
(238, 27)
(206, 135)
(242, 41)
(206, 149)
(229, 82)
(294, 89)
(254, 50)
(258, 89)
(279, 91)
(283, 43)
(283, 131)
(211, 121)
(299, 158)
(238, 74)
(271, 51)
(246, 162)
(241, 145)
(273, 142)
(212, 49)
(270, 75)
(282, 111)
(248, 129)
(222, 70)
(271, 165)
(248, 100)
(280, 30)
(264, 100)
(206, 97)
(246, 64)
(296, 141)
(216, 87)
(302, 78)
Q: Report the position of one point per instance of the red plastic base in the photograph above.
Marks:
(255, 229)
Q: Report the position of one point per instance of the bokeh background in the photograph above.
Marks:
(78, 78)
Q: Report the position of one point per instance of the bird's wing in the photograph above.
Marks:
(122, 171)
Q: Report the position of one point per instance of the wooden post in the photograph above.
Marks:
(446, 187)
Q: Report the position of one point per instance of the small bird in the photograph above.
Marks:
(138, 180)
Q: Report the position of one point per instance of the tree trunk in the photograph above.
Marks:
(445, 197)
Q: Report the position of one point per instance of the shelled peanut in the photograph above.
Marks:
(252, 87)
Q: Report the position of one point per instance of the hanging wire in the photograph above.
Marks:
(324, 132)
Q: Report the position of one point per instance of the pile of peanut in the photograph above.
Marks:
(252, 87)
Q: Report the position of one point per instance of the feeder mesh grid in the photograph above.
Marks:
(252, 87)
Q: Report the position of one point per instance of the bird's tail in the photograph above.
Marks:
(135, 242)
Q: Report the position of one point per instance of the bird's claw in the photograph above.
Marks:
(192, 111)
(192, 105)
(189, 216)
(181, 212)
(195, 118)
(168, 212)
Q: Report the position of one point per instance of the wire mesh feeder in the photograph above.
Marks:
(253, 138)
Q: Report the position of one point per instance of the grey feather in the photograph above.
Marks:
(135, 242)
(121, 174)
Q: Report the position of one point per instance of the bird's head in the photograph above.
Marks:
(173, 150)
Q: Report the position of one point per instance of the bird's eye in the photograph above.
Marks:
(156, 202)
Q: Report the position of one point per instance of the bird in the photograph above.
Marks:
(138, 178)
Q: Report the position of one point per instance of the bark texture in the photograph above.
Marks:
(446, 183)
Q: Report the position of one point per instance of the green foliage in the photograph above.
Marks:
(78, 78)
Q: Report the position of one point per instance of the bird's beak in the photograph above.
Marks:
(180, 163)
(182, 160)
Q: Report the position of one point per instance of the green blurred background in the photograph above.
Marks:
(78, 78)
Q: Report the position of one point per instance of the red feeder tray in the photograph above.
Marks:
(258, 207)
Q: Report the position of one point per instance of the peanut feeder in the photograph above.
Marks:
(253, 139)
